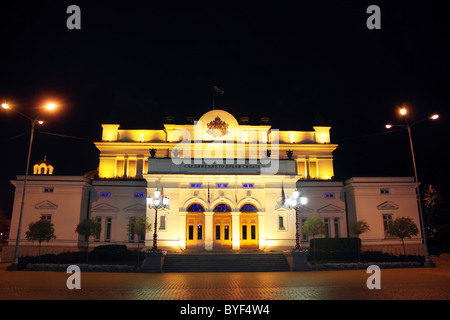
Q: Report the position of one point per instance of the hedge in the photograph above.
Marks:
(334, 249)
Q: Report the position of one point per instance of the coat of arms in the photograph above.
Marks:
(217, 127)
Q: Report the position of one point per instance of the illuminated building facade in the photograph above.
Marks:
(225, 180)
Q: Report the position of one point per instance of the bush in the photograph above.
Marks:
(378, 256)
(334, 249)
(100, 254)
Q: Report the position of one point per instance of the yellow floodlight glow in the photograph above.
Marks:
(403, 111)
(5, 106)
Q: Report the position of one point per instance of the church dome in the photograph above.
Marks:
(43, 167)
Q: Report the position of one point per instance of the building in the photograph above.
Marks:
(225, 180)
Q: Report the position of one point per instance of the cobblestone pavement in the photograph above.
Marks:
(405, 284)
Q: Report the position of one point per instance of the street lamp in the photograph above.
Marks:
(48, 107)
(296, 202)
(158, 201)
(403, 111)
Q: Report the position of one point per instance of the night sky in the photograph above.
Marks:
(289, 61)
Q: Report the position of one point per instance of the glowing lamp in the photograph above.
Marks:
(295, 194)
(40, 122)
(50, 106)
(403, 111)
(303, 200)
(5, 106)
(150, 201)
(434, 117)
(157, 194)
(388, 126)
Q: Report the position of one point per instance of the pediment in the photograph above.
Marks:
(135, 208)
(104, 207)
(331, 208)
(46, 205)
(387, 205)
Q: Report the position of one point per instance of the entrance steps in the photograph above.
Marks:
(225, 262)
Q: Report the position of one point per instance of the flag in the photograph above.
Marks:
(283, 196)
(208, 194)
(217, 90)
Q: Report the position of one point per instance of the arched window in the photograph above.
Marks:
(222, 207)
(248, 208)
(195, 207)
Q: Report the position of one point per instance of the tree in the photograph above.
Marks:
(41, 230)
(436, 218)
(313, 226)
(359, 227)
(88, 228)
(138, 225)
(403, 228)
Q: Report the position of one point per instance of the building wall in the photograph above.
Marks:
(371, 199)
(63, 198)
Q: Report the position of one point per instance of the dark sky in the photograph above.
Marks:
(285, 60)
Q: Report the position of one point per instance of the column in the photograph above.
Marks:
(209, 230)
(182, 230)
(262, 229)
(139, 166)
(235, 230)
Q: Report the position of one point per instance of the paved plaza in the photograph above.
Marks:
(396, 284)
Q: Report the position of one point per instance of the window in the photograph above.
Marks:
(108, 228)
(253, 232)
(191, 233)
(336, 228)
(47, 217)
(139, 195)
(217, 232)
(162, 222)
(49, 189)
(196, 185)
(222, 185)
(384, 191)
(99, 220)
(226, 232)
(105, 194)
(131, 236)
(326, 221)
(199, 232)
(281, 223)
(244, 232)
(329, 195)
(387, 220)
(248, 185)
(248, 208)
(195, 207)
(222, 207)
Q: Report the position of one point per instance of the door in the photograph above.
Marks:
(222, 229)
(195, 229)
(249, 230)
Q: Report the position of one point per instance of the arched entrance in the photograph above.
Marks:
(248, 221)
(195, 226)
(222, 226)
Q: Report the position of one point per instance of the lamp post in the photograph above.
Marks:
(296, 202)
(403, 111)
(158, 201)
(49, 107)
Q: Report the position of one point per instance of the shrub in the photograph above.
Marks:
(335, 249)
